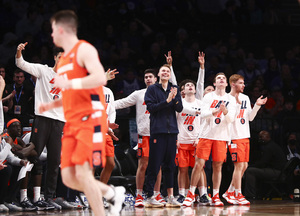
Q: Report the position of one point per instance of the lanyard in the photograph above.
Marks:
(19, 96)
(32, 82)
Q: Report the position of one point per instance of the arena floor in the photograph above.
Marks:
(262, 208)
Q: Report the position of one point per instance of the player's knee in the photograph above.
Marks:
(143, 166)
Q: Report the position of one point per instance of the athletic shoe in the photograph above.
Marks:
(203, 200)
(13, 207)
(153, 203)
(160, 199)
(241, 200)
(51, 202)
(172, 202)
(216, 201)
(42, 205)
(139, 201)
(27, 205)
(180, 198)
(77, 205)
(230, 198)
(3, 208)
(189, 199)
(63, 203)
(116, 202)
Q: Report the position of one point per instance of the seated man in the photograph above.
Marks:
(267, 168)
(8, 172)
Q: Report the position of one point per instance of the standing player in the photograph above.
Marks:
(240, 146)
(81, 77)
(109, 145)
(218, 112)
(47, 129)
(143, 127)
(162, 102)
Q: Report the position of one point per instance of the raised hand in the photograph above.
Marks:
(21, 46)
(201, 58)
(261, 101)
(169, 58)
(110, 74)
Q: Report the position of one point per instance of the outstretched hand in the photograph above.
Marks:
(261, 101)
(110, 74)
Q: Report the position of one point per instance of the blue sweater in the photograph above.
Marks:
(162, 114)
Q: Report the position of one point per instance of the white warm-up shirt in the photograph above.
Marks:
(142, 114)
(189, 124)
(110, 109)
(45, 92)
(217, 127)
(244, 114)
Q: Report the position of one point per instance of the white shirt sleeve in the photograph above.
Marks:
(200, 84)
(31, 68)
(130, 100)
(173, 77)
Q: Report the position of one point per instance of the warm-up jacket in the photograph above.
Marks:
(162, 114)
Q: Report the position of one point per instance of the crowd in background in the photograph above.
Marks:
(251, 38)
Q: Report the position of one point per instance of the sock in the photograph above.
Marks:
(23, 194)
(237, 191)
(186, 192)
(110, 193)
(202, 190)
(231, 189)
(139, 192)
(182, 191)
(192, 189)
(36, 193)
(155, 193)
(215, 191)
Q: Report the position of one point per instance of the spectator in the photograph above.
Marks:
(267, 168)
(23, 95)
(250, 72)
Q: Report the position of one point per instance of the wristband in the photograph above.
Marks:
(76, 83)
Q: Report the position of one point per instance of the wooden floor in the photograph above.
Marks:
(261, 208)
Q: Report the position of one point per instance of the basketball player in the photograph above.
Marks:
(218, 112)
(240, 146)
(143, 127)
(81, 77)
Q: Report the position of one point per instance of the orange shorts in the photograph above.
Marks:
(217, 148)
(109, 147)
(186, 155)
(84, 142)
(239, 150)
(143, 146)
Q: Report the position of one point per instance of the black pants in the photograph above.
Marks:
(48, 132)
(162, 152)
(253, 175)
(5, 175)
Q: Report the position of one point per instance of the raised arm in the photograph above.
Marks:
(259, 102)
(129, 101)
(169, 61)
(31, 68)
(200, 81)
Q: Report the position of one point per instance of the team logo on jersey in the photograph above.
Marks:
(217, 120)
(243, 121)
(190, 127)
(147, 112)
(55, 97)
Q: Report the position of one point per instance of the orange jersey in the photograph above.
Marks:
(79, 103)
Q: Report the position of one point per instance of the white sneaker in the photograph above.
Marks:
(13, 207)
(153, 203)
(3, 208)
(173, 203)
(116, 202)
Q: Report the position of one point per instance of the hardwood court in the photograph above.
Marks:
(262, 208)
